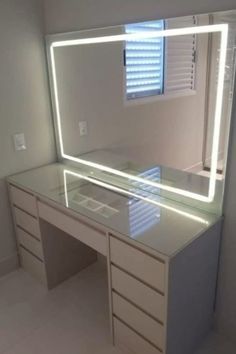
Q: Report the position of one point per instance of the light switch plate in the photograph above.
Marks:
(19, 141)
(83, 128)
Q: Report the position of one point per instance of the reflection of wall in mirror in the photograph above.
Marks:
(91, 88)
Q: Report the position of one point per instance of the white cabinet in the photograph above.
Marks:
(45, 252)
(140, 294)
(139, 264)
(163, 304)
(126, 338)
(158, 303)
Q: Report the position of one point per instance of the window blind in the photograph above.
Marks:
(143, 216)
(144, 61)
(180, 54)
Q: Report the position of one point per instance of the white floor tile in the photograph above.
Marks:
(70, 319)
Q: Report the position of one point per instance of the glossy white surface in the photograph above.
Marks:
(161, 224)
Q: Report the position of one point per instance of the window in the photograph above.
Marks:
(160, 66)
(144, 61)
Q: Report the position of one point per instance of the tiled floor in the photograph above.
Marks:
(70, 319)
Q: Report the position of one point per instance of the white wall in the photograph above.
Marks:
(69, 15)
(24, 105)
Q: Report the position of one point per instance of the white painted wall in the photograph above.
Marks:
(24, 105)
(69, 15)
(72, 15)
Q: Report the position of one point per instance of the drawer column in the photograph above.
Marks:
(138, 298)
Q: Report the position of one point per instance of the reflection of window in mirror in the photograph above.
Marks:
(160, 66)
(150, 215)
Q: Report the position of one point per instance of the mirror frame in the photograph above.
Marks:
(90, 37)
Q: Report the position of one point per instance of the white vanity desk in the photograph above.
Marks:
(162, 260)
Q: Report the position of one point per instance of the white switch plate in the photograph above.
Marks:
(83, 128)
(19, 141)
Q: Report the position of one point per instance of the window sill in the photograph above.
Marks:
(153, 99)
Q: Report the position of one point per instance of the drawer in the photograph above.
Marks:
(138, 320)
(140, 294)
(33, 265)
(88, 235)
(23, 200)
(27, 222)
(32, 244)
(138, 263)
(125, 337)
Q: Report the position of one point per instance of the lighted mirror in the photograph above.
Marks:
(148, 104)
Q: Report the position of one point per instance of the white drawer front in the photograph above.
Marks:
(23, 200)
(32, 244)
(140, 294)
(138, 320)
(27, 222)
(32, 265)
(138, 263)
(125, 337)
(88, 235)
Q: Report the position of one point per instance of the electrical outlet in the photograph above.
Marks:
(19, 141)
(83, 128)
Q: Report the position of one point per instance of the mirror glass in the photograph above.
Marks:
(148, 108)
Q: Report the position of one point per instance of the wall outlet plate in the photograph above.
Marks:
(19, 141)
(83, 128)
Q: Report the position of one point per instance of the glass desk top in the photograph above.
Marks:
(156, 222)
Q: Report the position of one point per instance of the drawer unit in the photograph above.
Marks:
(29, 242)
(88, 235)
(143, 324)
(155, 292)
(33, 265)
(127, 338)
(23, 200)
(138, 263)
(27, 222)
(140, 294)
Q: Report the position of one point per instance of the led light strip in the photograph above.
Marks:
(119, 190)
(223, 29)
(132, 36)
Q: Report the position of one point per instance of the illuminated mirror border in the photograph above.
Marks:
(55, 42)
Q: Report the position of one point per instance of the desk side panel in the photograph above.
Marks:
(192, 291)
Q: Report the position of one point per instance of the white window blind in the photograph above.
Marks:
(160, 66)
(144, 61)
(143, 216)
(180, 54)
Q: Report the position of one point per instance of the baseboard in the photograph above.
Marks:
(9, 264)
